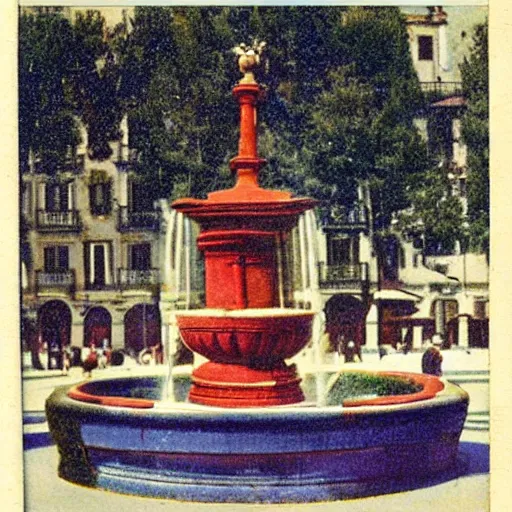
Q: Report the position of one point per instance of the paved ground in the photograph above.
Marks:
(45, 492)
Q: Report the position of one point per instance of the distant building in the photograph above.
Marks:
(406, 299)
(90, 253)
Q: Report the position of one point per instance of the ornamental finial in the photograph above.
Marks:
(250, 58)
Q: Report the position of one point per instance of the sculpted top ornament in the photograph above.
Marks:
(250, 58)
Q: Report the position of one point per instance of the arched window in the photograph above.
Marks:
(98, 328)
(54, 332)
(142, 327)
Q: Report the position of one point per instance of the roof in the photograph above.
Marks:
(452, 101)
(396, 295)
(423, 276)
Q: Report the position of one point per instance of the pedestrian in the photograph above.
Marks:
(431, 362)
(91, 361)
(351, 353)
(66, 360)
(102, 359)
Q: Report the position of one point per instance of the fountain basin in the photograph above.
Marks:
(247, 349)
(263, 336)
(277, 454)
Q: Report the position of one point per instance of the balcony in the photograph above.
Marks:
(342, 276)
(73, 165)
(55, 282)
(435, 91)
(342, 218)
(130, 279)
(135, 221)
(68, 220)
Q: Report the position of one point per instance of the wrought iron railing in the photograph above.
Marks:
(439, 90)
(130, 278)
(61, 280)
(340, 276)
(67, 219)
(129, 220)
(73, 165)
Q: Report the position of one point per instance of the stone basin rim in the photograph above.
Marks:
(449, 392)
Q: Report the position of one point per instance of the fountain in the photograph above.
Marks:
(243, 429)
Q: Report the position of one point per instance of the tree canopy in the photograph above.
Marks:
(475, 132)
(341, 97)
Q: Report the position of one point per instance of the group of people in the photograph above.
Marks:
(96, 359)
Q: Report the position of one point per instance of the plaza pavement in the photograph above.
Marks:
(45, 492)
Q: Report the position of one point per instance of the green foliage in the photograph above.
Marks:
(96, 82)
(351, 385)
(362, 123)
(475, 132)
(46, 105)
(66, 71)
(440, 212)
(182, 119)
(341, 94)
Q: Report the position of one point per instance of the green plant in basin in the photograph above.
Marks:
(352, 385)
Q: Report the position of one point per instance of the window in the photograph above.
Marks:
(481, 309)
(56, 258)
(343, 251)
(100, 198)
(139, 257)
(98, 264)
(425, 48)
(57, 197)
(462, 187)
(140, 200)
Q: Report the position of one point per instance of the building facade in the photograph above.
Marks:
(385, 291)
(91, 256)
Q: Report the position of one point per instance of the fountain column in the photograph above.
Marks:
(245, 332)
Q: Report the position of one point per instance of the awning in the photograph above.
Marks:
(396, 295)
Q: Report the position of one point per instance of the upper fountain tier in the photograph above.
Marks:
(247, 204)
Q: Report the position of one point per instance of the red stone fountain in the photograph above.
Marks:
(246, 332)
(123, 435)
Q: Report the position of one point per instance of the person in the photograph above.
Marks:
(102, 359)
(66, 360)
(91, 361)
(431, 362)
(351, 353)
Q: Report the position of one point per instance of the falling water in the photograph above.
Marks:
(315, 301)
(178, 249)
(309, 292)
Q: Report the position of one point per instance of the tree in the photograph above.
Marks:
(95, 81)
(179, 71)
(436, 215)
(66, 71)
(475, 132)
(362, 123)
(46, 107)
(183, 118)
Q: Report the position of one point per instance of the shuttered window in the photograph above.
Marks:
(56, 258)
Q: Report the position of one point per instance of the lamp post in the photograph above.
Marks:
(464, 242)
